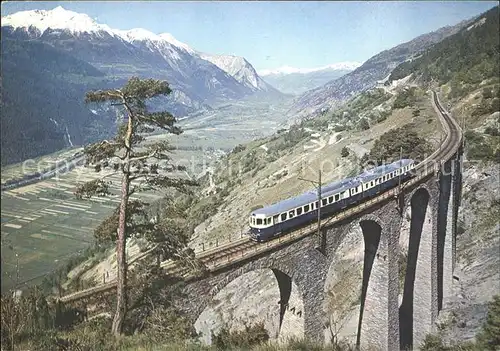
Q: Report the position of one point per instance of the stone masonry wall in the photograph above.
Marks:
(308, 268)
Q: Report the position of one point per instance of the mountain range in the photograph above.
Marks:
(51, 58)
(291, 80)
(376, 69)
(96, 56)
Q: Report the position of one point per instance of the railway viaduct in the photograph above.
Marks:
(395, 312)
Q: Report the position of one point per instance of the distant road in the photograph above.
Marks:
(66, 166)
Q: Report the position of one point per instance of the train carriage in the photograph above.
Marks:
(290, 214)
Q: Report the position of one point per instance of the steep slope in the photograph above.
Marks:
(42, 101)
(296, 81)
(377, 68)
(240, 69)
(125, 53)
(465, 58)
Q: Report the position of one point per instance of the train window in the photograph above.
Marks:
(259, 221)
(291, 214)
(283, 217)
(337, 197)
(299, 211)
(275, 219)
(330, 199)
(306, 208)
(316, 204)
(371, 183)
(323, 202)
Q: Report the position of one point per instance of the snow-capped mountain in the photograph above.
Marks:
(122, 53)
(80, 23)
(295, 81)
(240, 69)
(51, 58)
(367, 75)
(56, 19)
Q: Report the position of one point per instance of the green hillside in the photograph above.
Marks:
(464, 59)
(35, 124)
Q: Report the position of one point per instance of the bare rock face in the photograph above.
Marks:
(250, 299)
(343, 286)
(477, 273)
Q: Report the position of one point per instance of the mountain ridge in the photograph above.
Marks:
(375, 69)
(112, 50)
(283, 70)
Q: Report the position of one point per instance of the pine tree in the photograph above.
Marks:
(133, 161)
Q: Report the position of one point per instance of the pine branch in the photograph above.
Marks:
(167, 182)
(95, 187)
(103, 96)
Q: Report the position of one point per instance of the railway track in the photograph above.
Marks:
(244, 248)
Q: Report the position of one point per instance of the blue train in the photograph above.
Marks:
(288, 214)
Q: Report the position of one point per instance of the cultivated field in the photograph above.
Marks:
(44, 224)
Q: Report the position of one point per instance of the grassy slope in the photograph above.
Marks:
(255, 177)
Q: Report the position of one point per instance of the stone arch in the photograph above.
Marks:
(289, 297)
(409, 196)
(419, 279)
(353, 270)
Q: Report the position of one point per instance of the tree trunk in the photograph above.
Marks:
(121, 289)
(121, 259)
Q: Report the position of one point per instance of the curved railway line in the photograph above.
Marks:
(242, 249)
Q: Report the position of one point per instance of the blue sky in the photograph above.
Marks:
(300, 34)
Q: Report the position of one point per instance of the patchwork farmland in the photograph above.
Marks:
(44, 224)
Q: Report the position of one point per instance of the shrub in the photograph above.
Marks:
(388, 147)
(383, 116)
(239, 148)
(478, 148)
(344, 152)
(248, 337)
(492, 131)
(489, 336)
(487, 93)
(363, 124)
(405, 98)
